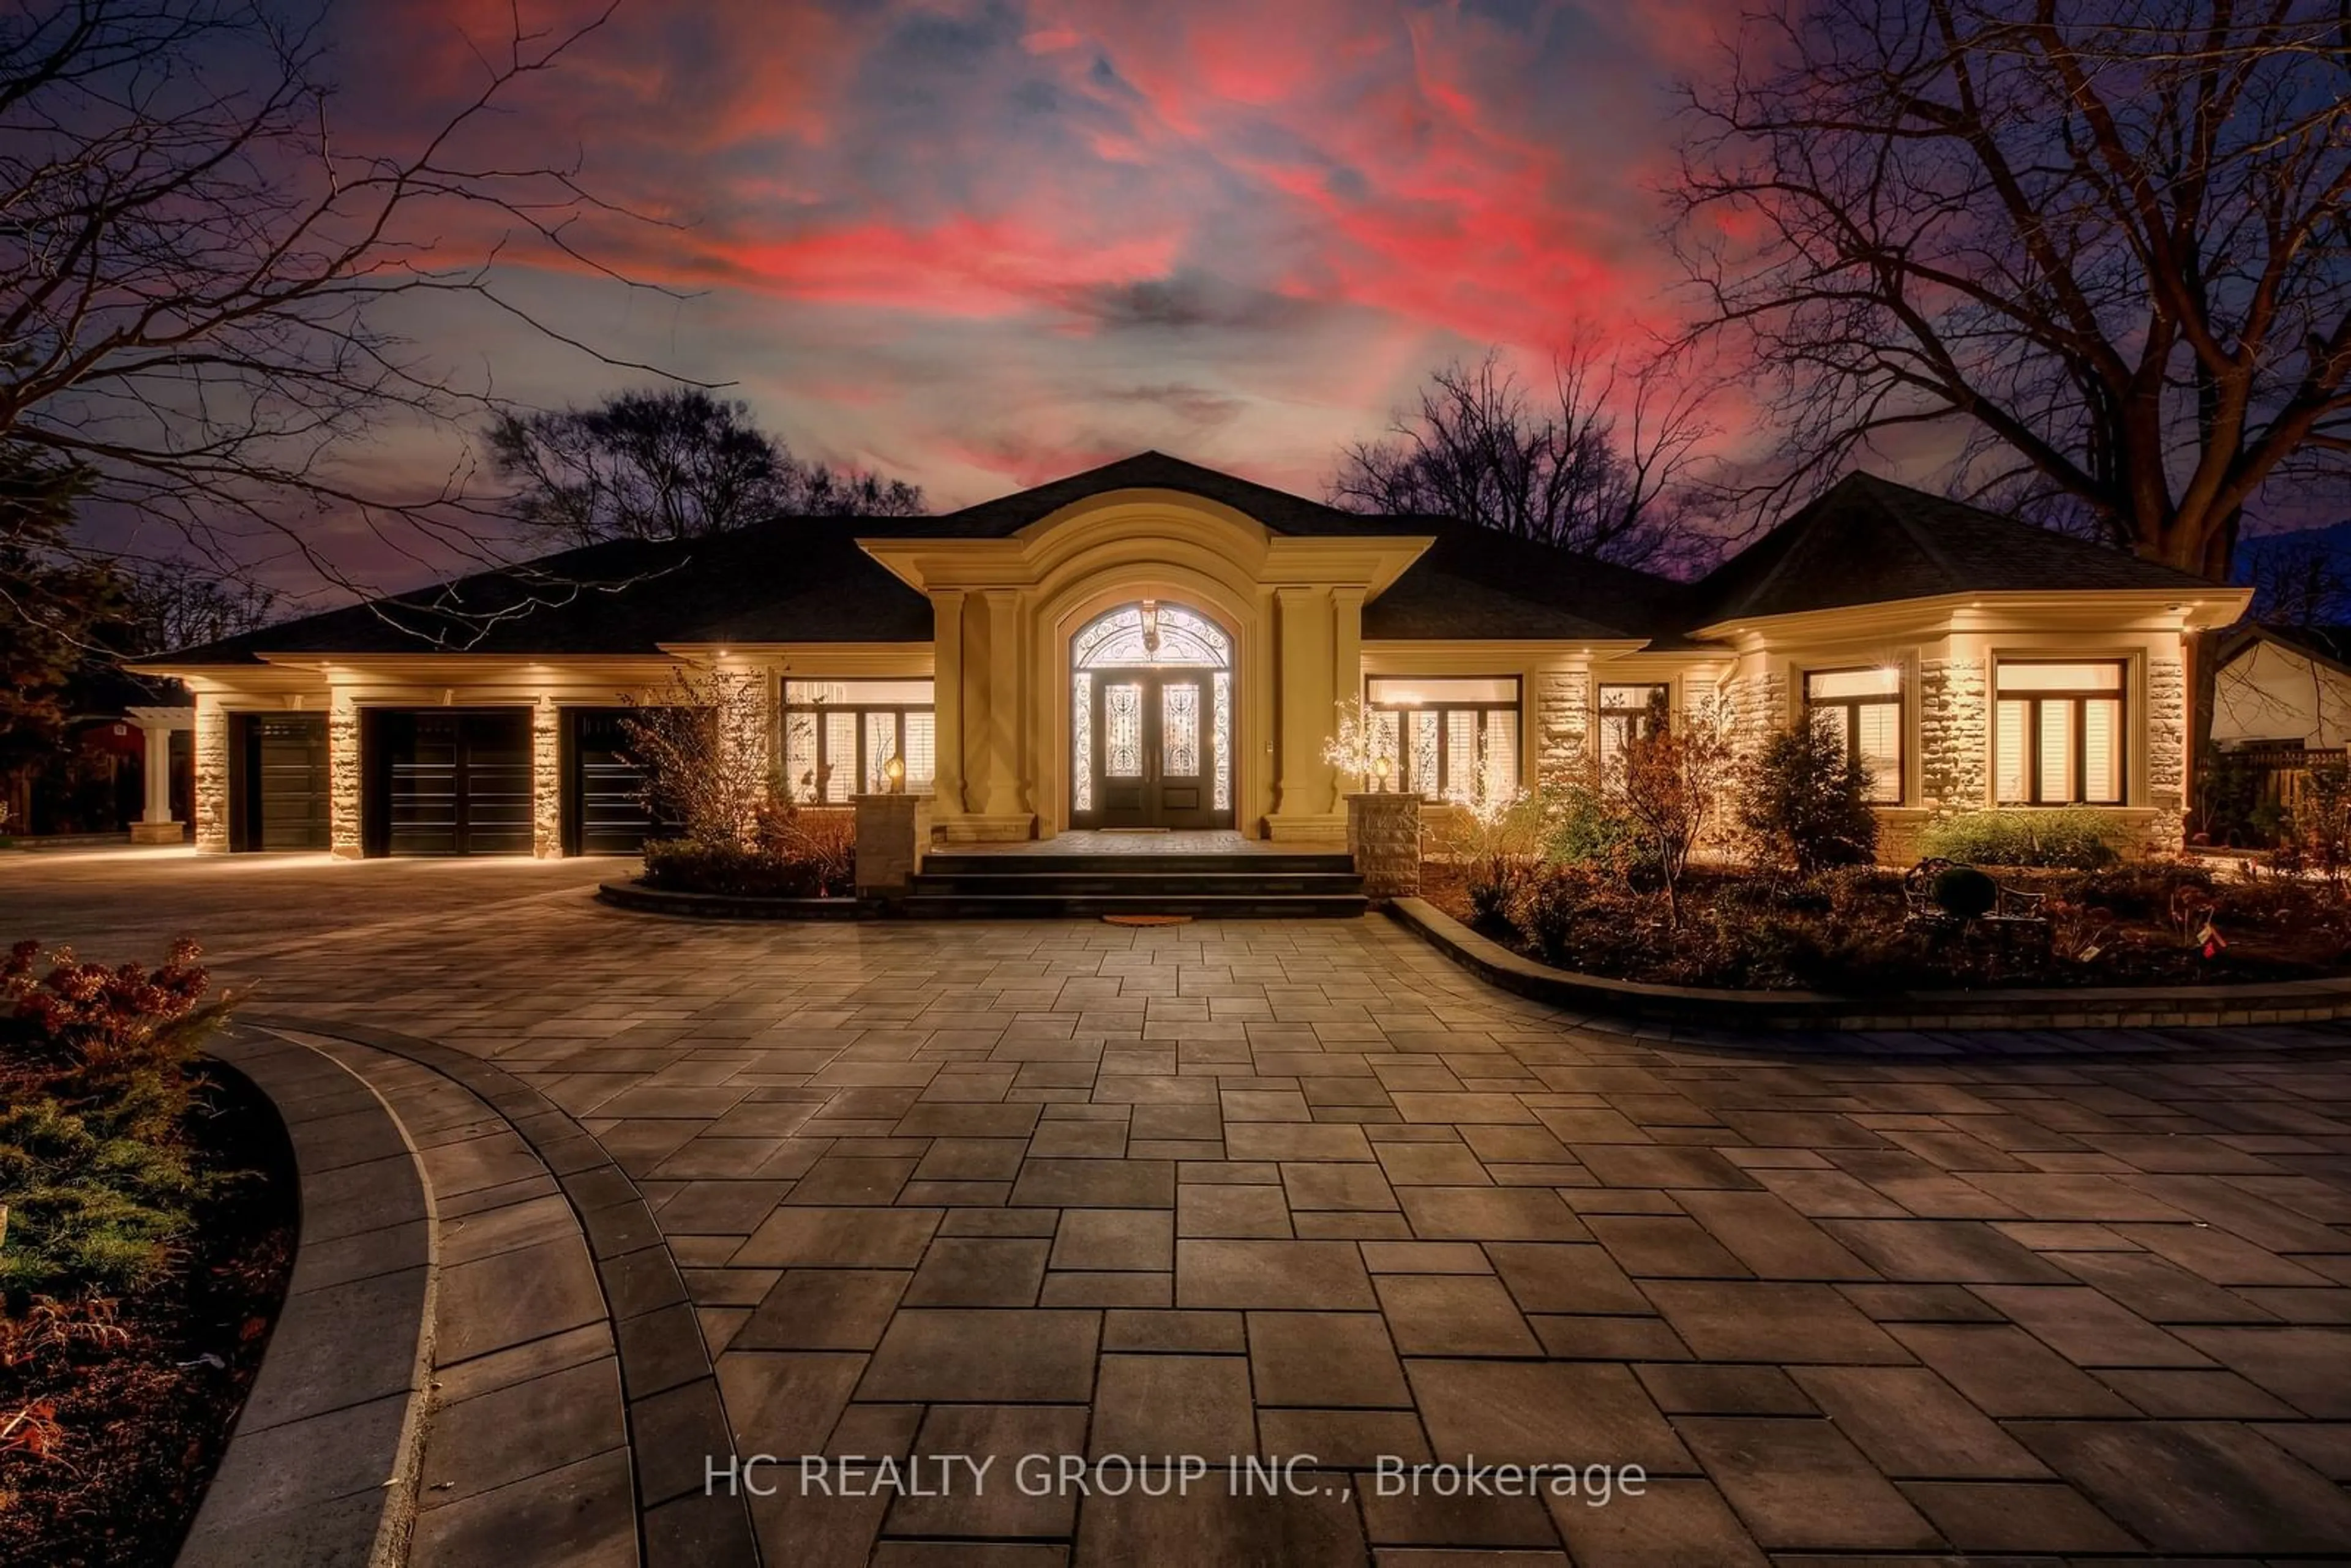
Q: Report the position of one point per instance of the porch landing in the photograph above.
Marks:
(1206, 874)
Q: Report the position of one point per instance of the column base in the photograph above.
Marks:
(982, 828)
(159, 832)
(1329, 828)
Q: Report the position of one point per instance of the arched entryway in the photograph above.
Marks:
(1151, 720)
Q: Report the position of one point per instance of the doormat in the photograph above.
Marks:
(1146, 920)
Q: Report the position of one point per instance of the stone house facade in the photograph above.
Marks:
(1156, 645)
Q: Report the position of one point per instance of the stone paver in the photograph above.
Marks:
(1284, 1189)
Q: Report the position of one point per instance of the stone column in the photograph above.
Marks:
(1384, 837)
(1306, 710)
(892, 832)
(345, 829)
(547, 779)
(155, 825)
(212, 776)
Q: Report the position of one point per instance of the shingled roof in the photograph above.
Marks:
(791, 580)
(805, 580)
(1867, 540)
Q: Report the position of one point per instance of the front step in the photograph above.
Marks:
(923, 905)
(1206, 886)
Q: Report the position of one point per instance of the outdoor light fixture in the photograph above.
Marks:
(1151, 627)
(895, 771)
(1380, 766)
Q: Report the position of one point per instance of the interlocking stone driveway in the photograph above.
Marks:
(1305, 1190)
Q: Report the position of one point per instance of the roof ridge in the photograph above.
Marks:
(1912, 527)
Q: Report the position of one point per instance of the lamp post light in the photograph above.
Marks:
(894, 770)
(1380, 766)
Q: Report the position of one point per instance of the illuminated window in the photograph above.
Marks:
(1448, 738)
(1627, 712)
(840, 735)
(1862, 709)
(2057, 733)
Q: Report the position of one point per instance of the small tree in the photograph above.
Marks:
(1806, 800)
(1356, 748)
(1674, 784)
(701, 743)
(2321, 821)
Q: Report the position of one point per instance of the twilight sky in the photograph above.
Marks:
(982, 243)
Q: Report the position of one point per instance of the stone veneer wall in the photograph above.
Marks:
(345, 829)
(1563, 722)
(1955, 734)
(1754, 708)
(546, 779)
(211, 805)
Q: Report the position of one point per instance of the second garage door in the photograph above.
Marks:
(452, 781)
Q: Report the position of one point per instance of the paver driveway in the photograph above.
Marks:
(1304, 1189)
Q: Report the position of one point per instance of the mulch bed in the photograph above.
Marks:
(134, 1424)
(1845, 933)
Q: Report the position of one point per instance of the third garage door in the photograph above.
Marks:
(453, 781)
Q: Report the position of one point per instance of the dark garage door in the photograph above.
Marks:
(452, 782)
(604, 809)
(285, 763)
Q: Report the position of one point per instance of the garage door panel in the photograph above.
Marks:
(605, 810)
(458, 783)
(286, 772)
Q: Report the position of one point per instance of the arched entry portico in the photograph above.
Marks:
(1151, 720)
(1009, 612)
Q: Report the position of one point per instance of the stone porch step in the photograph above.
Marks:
(927, 905)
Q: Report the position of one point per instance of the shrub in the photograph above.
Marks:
(687, 865)
(1498, 842)
(700, 745)
(2080, 837)
(1545, 912)
(1808, 802)
(1965, 892)
(823, 840)
(1582, 828)
(97, 1077)
(1672, 785)
(2321, 821)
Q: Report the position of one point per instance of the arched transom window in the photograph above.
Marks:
(1151, 634)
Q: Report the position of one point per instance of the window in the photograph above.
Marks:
(2057, 733)
(1449, 739)
(1630, 712)
(840, 735)
(1863, 709)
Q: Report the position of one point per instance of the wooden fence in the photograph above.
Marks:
(2285, 770)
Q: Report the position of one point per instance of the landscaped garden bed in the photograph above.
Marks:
(1851, 930)
(150, 1225)
(1683, 865)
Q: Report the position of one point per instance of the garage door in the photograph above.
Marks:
(603, 806)
(455, 782)
(285, 781)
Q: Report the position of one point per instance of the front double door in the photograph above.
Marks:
(1154, 739)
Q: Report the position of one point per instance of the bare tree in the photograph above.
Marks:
(670, 464)
(196, 265)
(2106, 245)
(1600, 467)
(1677, 785)
(2298, 579)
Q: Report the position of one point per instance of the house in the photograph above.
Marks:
(2283, 687)
(1156, 645)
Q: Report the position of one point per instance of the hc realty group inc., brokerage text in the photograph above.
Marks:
(1155, 1474)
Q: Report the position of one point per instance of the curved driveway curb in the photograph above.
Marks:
(2148, 1008)
(322, 1466)
(674, 1414)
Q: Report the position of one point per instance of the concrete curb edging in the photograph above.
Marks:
(322, 1465)
(672, 1404)
(2172, 1007)
(633, 894)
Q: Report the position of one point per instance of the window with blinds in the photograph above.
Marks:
(1448, 738)
(2057, 733)
(839, 738)
(1862, 711)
